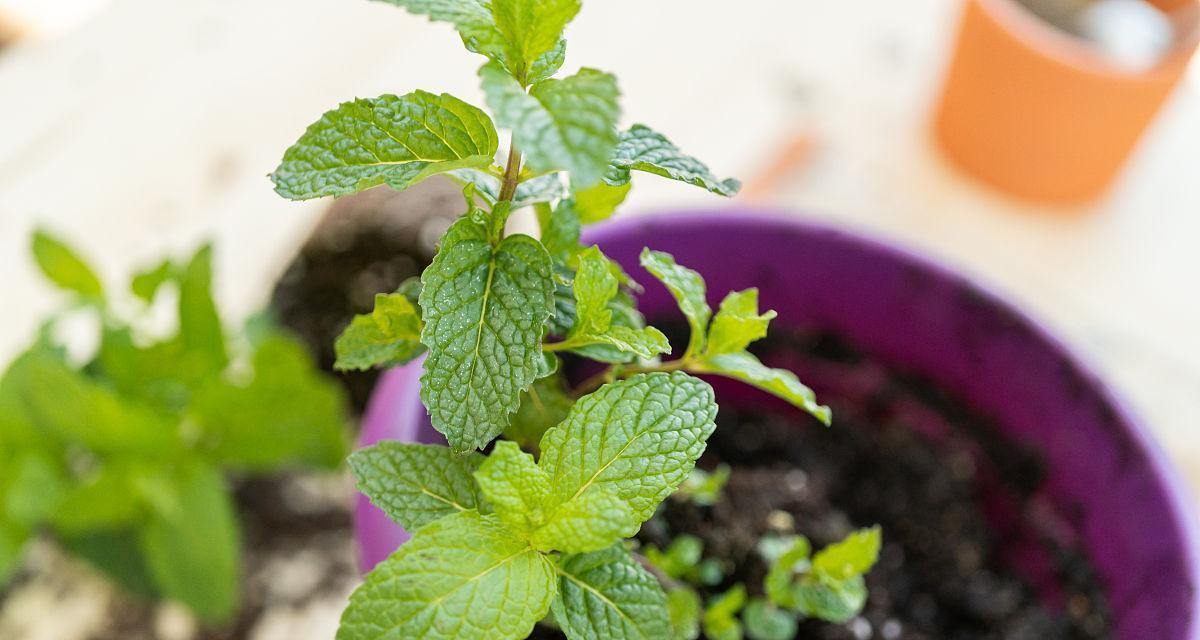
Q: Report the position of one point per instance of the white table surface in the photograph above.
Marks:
(153, 125)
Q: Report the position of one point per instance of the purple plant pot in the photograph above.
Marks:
(1111, 483)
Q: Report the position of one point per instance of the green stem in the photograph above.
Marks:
(512, 173)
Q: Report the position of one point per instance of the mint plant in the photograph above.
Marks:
(124, 458)
(534, 525)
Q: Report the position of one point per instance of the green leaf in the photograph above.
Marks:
(680, 559)
(397, 141)
(79, 410)
(543, 405)
(849, 558)
(463, 576)
(485, 311)
(779, 382)
(415, 484)
(688, 288)
(836, 603)
(737, 323)
(720, 618)
(643, 149)
(595, 288)
(532, 28)
(589, 522)
(567, 124)
(116, 553)
(607, 594)
(792, 557)
(472, 18)
(515, 486)
(388, 336)
(105, 500)
(145, 284)
(62, 266)
(598, 203)
(639, 436)
(560, 231)
(34, 490)
(703, 488)
(547, 64)
(12, 547)
(683, 606)
(193, 550)
(199, 323)
(288, 413)
(765, 621)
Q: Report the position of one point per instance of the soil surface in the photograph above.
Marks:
(955, 500)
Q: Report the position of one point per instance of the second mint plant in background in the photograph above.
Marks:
(536, 529)
(123, 458)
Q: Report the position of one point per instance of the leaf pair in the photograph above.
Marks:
(482, 563)
(719, 347)
(523, 36)
(830, 586)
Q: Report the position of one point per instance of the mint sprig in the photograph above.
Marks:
(537, 524)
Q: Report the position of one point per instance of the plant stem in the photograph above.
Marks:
(512, 173)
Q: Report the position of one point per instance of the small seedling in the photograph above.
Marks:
(124, 458)
(502, 540)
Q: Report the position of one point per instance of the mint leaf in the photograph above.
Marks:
(145, 284)
(415, 484)
(200, 330)
(849, 558)
(687, 287)
(607, 594)
(192, 549)
(543, 405)
(589, 522)
(720, 618)
(643, 149)
(680, 559)
(639, 436)
(289, 413)
(792, 557)
(465, 575)
(62, 266)
(765, 621)
(532, 28)
(515, 486)
(684, 609)
(598, 203)
(397, 141)
(107, 499)
(12, 546)
(567, 124)
(547, 64)
(485, 309)
(837, 603)
(81, 411)
(737, 323)
(779, 382)
(595, 288)
(33, 491)
(560, 232)
(388, 336)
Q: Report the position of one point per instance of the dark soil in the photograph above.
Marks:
(367, 244)
(956, 501)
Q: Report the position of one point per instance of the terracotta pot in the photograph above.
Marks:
(1106, 479)
(1040, 114)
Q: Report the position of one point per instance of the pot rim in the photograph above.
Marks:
(1038, 35)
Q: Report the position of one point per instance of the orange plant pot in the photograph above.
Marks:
(1036, 112)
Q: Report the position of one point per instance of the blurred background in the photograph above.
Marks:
(135, 128)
